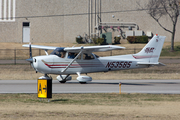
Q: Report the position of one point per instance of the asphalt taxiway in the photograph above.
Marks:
(96, 86)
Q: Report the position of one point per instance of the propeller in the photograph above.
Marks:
(30, 55)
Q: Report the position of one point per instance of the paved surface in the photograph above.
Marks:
(96, 86)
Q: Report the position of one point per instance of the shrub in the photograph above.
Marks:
(137, 39)
(131, 39)
(142, 39)
(98, 40)
(117, 40)
(79, 40)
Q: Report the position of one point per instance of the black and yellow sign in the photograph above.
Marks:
(44, 88)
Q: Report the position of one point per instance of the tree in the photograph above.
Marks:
(159, 8)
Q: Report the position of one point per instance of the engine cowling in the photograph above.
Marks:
(59, 78)
(84, 79)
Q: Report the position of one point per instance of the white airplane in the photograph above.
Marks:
(65, 61)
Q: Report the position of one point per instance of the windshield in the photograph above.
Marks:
(96, 56)
(59, 52)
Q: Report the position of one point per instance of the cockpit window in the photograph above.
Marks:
(71, 55)
(59, 52)
(88, 56)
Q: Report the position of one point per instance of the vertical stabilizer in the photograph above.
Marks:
(151, 52)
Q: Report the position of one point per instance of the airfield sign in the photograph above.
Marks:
(44, 88)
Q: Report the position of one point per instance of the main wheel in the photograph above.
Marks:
(82, 82)
(62, 81)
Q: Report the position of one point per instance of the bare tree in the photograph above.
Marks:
(159, 8)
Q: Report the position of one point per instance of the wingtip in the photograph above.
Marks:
(25, 45)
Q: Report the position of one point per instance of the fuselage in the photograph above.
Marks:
(78, 60)
(53, 64)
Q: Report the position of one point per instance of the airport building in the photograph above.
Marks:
(58, 21)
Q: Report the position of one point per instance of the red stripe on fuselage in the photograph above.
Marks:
(142, 57)
(73, 65)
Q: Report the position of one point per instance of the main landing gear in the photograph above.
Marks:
(82, 82)
(64, 78)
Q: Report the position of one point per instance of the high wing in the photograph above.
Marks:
(45, 48)
(93, 48)
(41, 47)
(78, 49)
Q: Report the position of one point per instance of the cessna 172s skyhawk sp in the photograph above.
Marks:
(64, 61)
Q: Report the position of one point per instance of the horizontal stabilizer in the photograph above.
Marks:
(149, 63)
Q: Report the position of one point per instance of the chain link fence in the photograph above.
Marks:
(19, 56)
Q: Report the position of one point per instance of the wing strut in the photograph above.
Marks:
(46, 51)
(73, 60)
